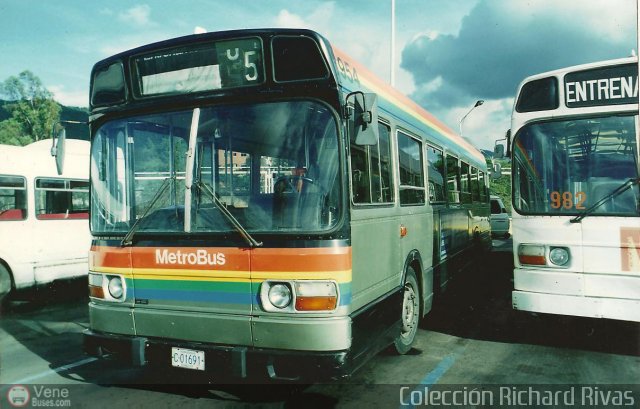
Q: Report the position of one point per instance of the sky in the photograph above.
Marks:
(448, 53)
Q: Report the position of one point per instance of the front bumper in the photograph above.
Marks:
(222, 360)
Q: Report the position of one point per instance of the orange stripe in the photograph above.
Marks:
(260, 259)
(302, 259)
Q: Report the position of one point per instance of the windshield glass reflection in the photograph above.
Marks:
(565, 167)
(274, 167)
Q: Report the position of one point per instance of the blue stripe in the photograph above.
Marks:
(434, 376)
(203, 296)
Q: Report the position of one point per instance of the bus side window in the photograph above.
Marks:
(453, 179)
(61, 199)
(435, 157)
(371, 176)
(13, 198)
(411, 170)
(465, 184)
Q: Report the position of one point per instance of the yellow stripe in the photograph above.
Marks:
(343, 276)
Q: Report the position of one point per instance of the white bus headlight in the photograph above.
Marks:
(116, 289)
(559, 256)
(280, 295)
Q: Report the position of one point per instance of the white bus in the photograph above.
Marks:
(576, 224)
(44, 232)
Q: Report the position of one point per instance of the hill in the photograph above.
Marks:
(74, 131)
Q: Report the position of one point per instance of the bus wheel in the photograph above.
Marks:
(5, 282)
(410, 313)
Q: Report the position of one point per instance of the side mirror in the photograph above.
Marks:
(57, 149)
(496, 171)
(365, 119)
(499, 149)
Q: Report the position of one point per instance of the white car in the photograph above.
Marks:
(499, 218)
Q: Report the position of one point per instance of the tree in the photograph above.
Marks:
(31, 106)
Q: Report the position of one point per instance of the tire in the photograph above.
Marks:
(5, 282)
(410, 314)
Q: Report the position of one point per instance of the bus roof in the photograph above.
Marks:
(391, 101)
(602, 86)
(35, 159)
(397, 104)
(581, 67)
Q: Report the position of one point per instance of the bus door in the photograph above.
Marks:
(375, 222)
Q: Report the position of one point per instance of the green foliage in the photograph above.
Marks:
(11, 133)
(32, 108)
(502, 185)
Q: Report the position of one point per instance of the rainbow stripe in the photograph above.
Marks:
(222, 276)
(372, 83)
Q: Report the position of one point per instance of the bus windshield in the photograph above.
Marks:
(273, 166)
(565, 167)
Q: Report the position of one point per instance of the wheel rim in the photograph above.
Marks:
(409, 310)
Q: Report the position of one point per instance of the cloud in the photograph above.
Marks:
(499, 44)
(69, 98)
(139, 15)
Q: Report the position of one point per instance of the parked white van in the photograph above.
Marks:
(499, 218)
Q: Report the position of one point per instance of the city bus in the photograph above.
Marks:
(262, 204)
(44, 215)
(576, 221)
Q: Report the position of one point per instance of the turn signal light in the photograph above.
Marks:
(316, 303)
(532, 255)
(96, 292)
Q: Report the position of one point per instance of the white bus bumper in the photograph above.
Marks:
(579, 294)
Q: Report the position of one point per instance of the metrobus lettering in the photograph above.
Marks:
(602, 89)
(199, 257)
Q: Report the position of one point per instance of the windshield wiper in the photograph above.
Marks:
(127, 240)
(617, 191)
(223, 209)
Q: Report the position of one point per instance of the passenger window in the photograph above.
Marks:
(371, 176)
(412, 189)
(13, 198)
(435, 158)
(482, 184)
(61, 199)
(465, 186)
(453, 179)
(475, 186)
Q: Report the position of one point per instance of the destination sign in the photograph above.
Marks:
(613, 85)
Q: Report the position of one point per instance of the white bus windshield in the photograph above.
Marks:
(273, 166)
(565, 167)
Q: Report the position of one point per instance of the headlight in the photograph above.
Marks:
(116, 290)
(293, 296)
(559, 256)
(280, 295)
(107, 287)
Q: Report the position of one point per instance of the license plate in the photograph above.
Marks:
(187, 358)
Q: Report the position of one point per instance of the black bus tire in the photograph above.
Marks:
(5, 282)
(410, 314)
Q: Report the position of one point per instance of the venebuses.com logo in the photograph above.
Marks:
(18, 396)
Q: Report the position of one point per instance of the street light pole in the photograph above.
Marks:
(393, 43)
(478, 103)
